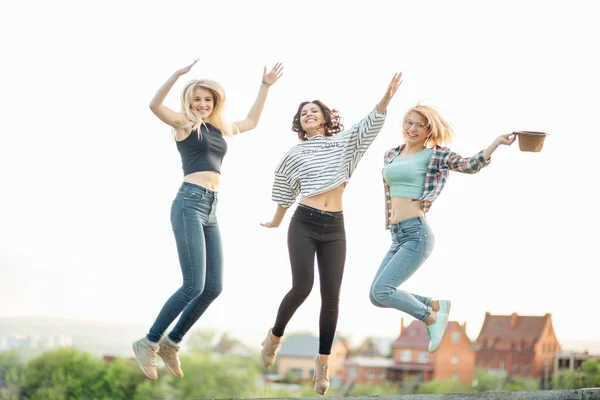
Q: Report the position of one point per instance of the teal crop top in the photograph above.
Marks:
(406, 176)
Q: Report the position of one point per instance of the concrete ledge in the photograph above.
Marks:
(571, 394)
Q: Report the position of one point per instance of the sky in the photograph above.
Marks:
(88, 173)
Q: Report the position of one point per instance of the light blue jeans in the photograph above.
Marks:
(412, 243)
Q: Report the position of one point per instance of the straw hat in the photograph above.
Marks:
(531, 140)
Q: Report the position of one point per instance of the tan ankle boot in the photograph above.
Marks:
(168, 351)
(145, 353)
(269, 350)
(321, 377)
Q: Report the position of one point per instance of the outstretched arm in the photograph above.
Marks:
(471, 165)
(166, 115)
(255, 112)
(506, 140)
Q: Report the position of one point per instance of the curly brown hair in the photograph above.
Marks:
(332, 125)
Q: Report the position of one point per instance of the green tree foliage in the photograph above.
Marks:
(11, 375)
(63, 374)
(207, 377)
(586, 376)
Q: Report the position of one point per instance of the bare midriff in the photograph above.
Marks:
(405, 208)
(207, 179)
(328, 201)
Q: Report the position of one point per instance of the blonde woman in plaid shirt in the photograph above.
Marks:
(414, 175)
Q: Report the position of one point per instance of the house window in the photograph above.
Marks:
(382, 374)
(371, 373)
(526, 369)
(515, 368)
(455, 337)
(352, 373)
(423, 357)
(454, 376)
(454, 359)
(405, 356)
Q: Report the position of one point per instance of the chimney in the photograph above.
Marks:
(513, 320)
(465, 326)
(401, 326)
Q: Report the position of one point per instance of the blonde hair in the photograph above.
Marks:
(216, 117)
(440, 130)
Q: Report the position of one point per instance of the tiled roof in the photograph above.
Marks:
(512, 328)
(413, 336)
(301, 345)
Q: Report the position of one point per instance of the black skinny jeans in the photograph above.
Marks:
(311, 232)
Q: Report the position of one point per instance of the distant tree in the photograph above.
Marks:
(486, 382)
(586, 376)
(120, 380)
(567, 380)
(63, 374)
(591, 373)
(206, 377)
(11, 375)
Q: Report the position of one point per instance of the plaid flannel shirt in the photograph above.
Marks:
(442, 161)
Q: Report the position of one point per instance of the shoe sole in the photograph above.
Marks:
(140, 364)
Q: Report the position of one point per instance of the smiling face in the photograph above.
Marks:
(203, 102)
(311, 119)
(415, 129)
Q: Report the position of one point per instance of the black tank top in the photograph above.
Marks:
(202, 154)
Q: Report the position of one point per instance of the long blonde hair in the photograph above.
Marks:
(440, 130)
(216, 117)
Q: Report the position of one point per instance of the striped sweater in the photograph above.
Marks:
(323, 163)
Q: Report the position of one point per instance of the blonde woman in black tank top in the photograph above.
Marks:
(199, 130)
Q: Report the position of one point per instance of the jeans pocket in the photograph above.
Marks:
(194, 195)
(428, 243)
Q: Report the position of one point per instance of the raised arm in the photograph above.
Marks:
(364, 133)
(255, 112)
(389, 93)
(164, 113)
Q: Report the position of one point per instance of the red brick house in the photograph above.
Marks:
(517, 345)
(454, 358)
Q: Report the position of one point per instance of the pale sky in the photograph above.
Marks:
(88, 173)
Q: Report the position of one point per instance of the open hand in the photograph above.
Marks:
(269, 224)
(393, 86)
(273, 75)
(187, 69)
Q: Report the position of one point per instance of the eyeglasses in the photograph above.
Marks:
(418, 125)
